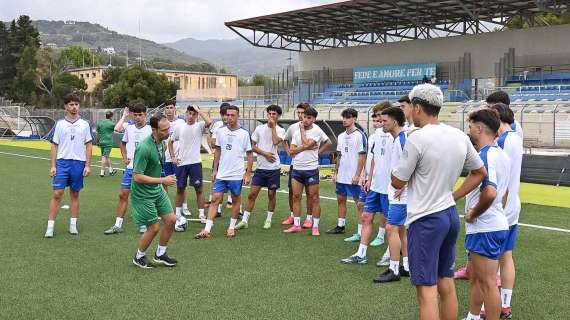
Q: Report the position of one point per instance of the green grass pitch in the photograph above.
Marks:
(258, 274)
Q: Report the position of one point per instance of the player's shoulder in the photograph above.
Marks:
(243, 130)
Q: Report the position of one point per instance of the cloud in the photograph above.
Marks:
(161, 21)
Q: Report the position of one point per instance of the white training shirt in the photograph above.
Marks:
(262, 136)
(512, 144)
(295, 128)
(132, 137)
(351, 146)
(431, 162)
(307, 159)
(217, 124)
(397, 150)
(516, 127)
(498, 168)
(70, 138)
(173, 124)
(233, 143)
(382, 152)
(189, 139)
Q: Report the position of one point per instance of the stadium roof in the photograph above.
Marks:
(363, 22)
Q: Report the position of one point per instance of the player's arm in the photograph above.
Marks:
(324, 146)
(144, 179)
(486, 198)
(295, 150)
(275, 138)
(477, 172)
(119, 125)
(369, 176)
(204, 116)
(53, 156)
(505, 198)
(88, 155)
(359, 167)
(171, 148)
(336, 165)
(217, 153)
(123, 148)
(249, 168)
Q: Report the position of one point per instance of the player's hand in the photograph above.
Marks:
(126, 112)
(177, 161)
(271, 123)
(247, 179)
(169, 180)
(126, 161)
(367, 185)
(334, 178)
(469, 216)
(197, 109)
(214, 174)
(355, 180)
(52, 172)
(270, 157)
(86, 171)
(398, 194)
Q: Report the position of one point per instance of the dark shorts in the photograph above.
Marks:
(362, 195)
(106, 150)
(127, 179)
(431, 246)
(68, 173)
(349, 190)
(169, 168)
(509, 244)
(271, 179)
(397, 214)
(190, 172)
(376, 202)
(223, 186)
(306, 177)
(487, 244)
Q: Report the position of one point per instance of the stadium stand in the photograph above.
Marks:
(540, 87)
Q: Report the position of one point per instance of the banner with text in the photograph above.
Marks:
(393, 72)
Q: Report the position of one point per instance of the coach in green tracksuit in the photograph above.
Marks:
(105, 129)
(148, 197)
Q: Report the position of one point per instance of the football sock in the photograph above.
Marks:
(359, 229)
(309, 217)
(297, 221)
(506, 295)
(269, 215)
(406, 263)
(341, 222)
(140, 254)
(316, 222)
(178, 212)
(361, 250)
(233, 223)
(209, 225)
(245, 216)
(51, 224)
(160, 250)
(395, 266)
(118, 222)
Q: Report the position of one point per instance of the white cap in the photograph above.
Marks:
(427, 92)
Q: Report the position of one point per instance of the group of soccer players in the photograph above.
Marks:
(405, 170)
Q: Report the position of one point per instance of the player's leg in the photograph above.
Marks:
(76, 184)
(161, 256)
(235, 188)
(197, 180)
(296, 192)
(475, 298)
(405, 267)
(450, 228)
(379, 239)
(313, 191)
(289, 219)
(182, 174)
(271, 204)
(145, 213)
(53, 209)
(104, 161)
(249, 205)
(359, 256)
(486, 271)
(508, 272)
(341, 196)
(218, 188)
(145, 240)
(359, 211)
(308, 223)
(200, 202)
(122, 204)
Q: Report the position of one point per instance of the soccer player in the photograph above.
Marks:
(134, 133)
(233, 143)
(188, 161)
(266, 138)
(124, 121)
(351, 149)
(169, 165)
(406, 106)
(503, 97)
(105, 129)
(216, 124)
(486, 226)
(431, 162)
(376, 183)
(393, 120)
(305, 174)
(149, 199)
(511, 142)
(300, 110)
(71, 149)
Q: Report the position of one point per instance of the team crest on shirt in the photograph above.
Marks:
(405, 153)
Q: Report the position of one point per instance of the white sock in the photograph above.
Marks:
(178, 212)
(72, 221)
(102, 172)
(233, 223)
(359, 229)
(210, 198)
(118, 222)
(506, 295)
(245, 216)
(341, 222)
(361, 250)
(220, 208)
(110, 166)
(140, 254)
(292, 215)
(51, 224)
(269, 215)
(309, 217)
(386, 254)
(230, 201)
(201, 212)
(160, 250)
(185, 206)
(395, 266)
(471, 316)
(296, 221)
(406, 263)
(381, 233)
(209, 225)
(316, 222)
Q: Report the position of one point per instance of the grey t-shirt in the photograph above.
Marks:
(431, 162)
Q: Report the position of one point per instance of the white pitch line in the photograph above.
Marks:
(284, 191)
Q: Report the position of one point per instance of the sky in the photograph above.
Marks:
(161, 21)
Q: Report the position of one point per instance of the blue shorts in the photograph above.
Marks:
(431, 246)
(487, 244)
(127, 179)
(271, 179)
(192, 172)
(362, 195)
(376, 202)
(350, 190)
(397, 214)
(223, 186)
(306, 177)
(169, 168)
(509, 243)
(68, 173)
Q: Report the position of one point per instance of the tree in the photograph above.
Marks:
(78, 57)
(258, 80)
(539, 19)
